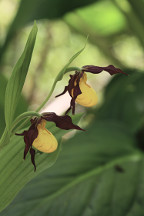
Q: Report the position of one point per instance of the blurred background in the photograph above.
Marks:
(115, 31)
(115, 37)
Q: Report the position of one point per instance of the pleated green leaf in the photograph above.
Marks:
(99, 172)
(15, 172)
(17, 79)
(124, 100)
(3, 83)
(22, 105)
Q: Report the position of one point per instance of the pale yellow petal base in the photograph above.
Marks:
(45, 141)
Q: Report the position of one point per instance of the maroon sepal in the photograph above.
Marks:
(29, 136)
(96, 69)
(73, 90)
(63, 122)
(32, 152)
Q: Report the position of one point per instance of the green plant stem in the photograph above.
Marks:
(23, 116)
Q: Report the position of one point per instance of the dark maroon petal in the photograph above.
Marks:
(96, 69)
(76, 90)
(63, 122)
(68, 110)
(73, 90)
(26, 151)
(65, 90)
(32, 153)
(27, 145)
(72, 105)
(20, 134)
(30, 135)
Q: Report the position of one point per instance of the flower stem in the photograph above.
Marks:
(23, 116)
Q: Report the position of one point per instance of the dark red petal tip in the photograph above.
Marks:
(96, 69)
(64, 91)
(32, 153)
(63, 122)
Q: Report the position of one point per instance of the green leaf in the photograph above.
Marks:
(15, 172)
(3, 83)
(22, 106)
(85, 180)
(124, 100)
(17, 79)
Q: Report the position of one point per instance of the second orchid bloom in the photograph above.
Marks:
(39, 137)
(80, 91)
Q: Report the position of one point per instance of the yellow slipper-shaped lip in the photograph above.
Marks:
(88, 98)
(45, 141)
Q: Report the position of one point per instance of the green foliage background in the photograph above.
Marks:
(97, 172)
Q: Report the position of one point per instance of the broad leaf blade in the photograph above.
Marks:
(85, 181)
(124, 100)
(99, 172)
(22, 106)
(15, 172)
(17, 79)
(3, 83)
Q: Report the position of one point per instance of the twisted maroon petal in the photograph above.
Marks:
(63, 122)
(65, 90)
(73, 90)
(29, 136)
(32, 153)
(96, 69)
